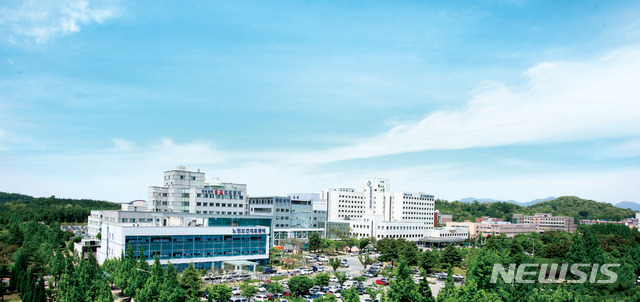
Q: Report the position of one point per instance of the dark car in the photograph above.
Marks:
(268, 270)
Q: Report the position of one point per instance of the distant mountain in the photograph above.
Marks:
(628, 205)
(524, 204)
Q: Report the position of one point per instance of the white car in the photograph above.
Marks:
(262, 289)
(333, 279)
(236, 292)
(261, 298)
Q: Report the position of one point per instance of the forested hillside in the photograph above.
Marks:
(49, 209)
(561, 206)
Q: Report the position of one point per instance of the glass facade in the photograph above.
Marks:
(197, 246)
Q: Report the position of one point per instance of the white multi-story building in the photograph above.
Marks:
(207, 241)
(377, 212)
(376, 199)
(189, 192)
(377, 227)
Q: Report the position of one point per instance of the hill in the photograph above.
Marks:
(485, 200)
(561, 206)
(49, 209)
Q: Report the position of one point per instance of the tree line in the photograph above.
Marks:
(49, 209)
(562, 206)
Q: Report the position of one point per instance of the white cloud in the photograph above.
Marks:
(563, 101)
(123, 144)
(39, 21)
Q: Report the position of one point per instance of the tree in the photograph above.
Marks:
(449, 290)
(342, 277)
(248, 290)
(424, 289)
(364, 260)
(322, 279)
(220, 292)
(151, 289)
(300, 284)
(350, 295)
(170, 290)
(403, 289)
(388, 249)
(315, 242)
(427, 260)
(334, 263)
(191, 282)
(409, 251)
(363, 243)
(274, 287)
(451, 256)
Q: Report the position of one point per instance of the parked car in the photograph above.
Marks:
(458, 277)
(333, 279)
(262, 289)
(268, 270)
(383, 281)
(260, 298)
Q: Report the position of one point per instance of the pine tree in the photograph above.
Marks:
(449, 290)
(191, 282)
(424, 289)
(403, 289)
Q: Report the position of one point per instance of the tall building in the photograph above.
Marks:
(377, 212)
(189, 192)
(344, 204)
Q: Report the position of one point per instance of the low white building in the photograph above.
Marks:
(207, 242)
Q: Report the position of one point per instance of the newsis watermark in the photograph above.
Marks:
(546, 273)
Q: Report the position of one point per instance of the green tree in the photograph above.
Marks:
(191, 282)
(322, 279)
(151, 289)
(315, 242)
(334, 263)
(363, 243)
(451, 256)
(364, 259)
(388, 249)
(300, 284)
(350, 295)
(409, 251)
(449, 290)
(171, 291)
(403, 289)
(342, 277)
(427, 260)
(220, 292)
(424, 289)
(275, 287)
(248, 290)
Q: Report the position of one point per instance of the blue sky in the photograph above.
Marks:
(502, 99)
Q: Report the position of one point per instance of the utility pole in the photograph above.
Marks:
(534, 247)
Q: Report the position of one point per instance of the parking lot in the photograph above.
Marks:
(354, 269)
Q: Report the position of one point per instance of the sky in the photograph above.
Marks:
(491, 99)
